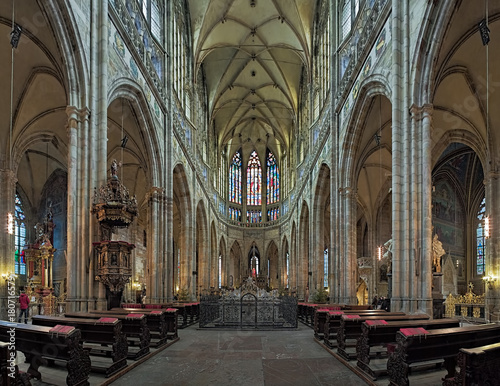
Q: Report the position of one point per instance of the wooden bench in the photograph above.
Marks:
(375, 333)
(419, 345)
(350, 329)
(133, 325)
(477, 366)
(332, 323)
(105, 332)
(39, 343)
(320, 315)
(9, 371)
(156, 319)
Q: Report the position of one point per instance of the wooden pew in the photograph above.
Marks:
(419, 345)
(320, 315)
(106, 332)
(10, 375)
(350, 328)
(133, 325)
(477, 366)
(332, 323)
(375, 333)
(157, 322)
(39, 343)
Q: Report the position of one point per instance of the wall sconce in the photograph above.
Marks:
(10, 223)
(486, 227)
(9, 276)
(490, 280)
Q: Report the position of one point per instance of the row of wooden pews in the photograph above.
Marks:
(97, 341)
(391, 343)
(188, 313)
(41, 344)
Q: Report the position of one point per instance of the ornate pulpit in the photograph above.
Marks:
(114, 208)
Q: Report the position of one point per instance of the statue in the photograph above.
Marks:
(114, 169)
(437, 252)
(388, 254)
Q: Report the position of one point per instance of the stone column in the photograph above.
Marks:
(156, 261)
(8, 182)
(73, 254)
(492, 263)
(400, 214)
(347, 250)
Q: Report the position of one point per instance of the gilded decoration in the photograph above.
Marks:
(468, 305)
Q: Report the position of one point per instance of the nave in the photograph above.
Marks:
(236, 357)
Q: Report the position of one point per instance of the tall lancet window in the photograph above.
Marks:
(273, 179)
(19, 238)
(480, 262)
(254, 180)
(235, 179)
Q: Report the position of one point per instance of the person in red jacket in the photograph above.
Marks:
(24, 302)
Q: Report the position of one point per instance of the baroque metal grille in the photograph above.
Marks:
(248, 307)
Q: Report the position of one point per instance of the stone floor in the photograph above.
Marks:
(221, 357)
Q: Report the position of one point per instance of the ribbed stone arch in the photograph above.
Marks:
(201, 258)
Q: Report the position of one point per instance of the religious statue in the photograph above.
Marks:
(437, 252)
(388, 254)
(114, 169)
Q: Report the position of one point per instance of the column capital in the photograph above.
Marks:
(76, 115)
(10, 174)
(155, 194)
(420, 112)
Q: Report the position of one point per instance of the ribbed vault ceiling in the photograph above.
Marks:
(253, 53)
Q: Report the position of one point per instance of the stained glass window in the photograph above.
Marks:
(235, 179)
(273, 179)
(273, 214)
(346, 18)
(235, 214)
(254, 180)
(19, 238)
(325, 267)
(254, 216)
(287, 269)
(220, 271)
(480, 263)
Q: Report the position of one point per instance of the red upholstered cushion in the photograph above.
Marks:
(153, 306)
(322, 310)
(350, 316)
(171, 310)
(413, 331)
(375, 322)
(134, 316)
(60, 329)
(155, 313)
(107, 320)
(336, 312)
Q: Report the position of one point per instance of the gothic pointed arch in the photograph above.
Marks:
(254, 180)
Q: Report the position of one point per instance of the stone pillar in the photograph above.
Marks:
(347, 250)
(400, 165)
(492, 266)
(8, 182)
(73, 253)
(155, 278)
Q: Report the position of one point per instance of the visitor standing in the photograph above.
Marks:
(24, 302)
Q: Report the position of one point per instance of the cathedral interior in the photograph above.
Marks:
(315, 145)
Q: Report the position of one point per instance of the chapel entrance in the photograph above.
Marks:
(248, 310)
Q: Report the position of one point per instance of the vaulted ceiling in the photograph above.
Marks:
(253, 54)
